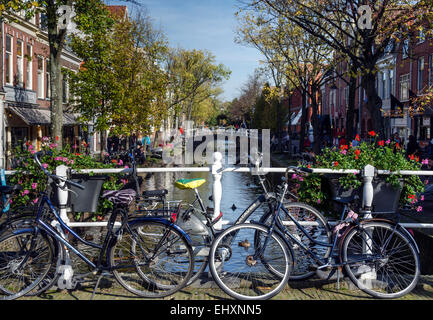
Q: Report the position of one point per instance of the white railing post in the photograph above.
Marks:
(367, 194)
(62, 195)
(367, 201)
(217, 172)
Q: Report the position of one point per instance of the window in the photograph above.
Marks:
(420, 76)
(47, 78)
(40, 77)
(8, 60)
(404, 87)
(430, 70)
(405, 49)
(390, 83)
(384, 96)
(346, 95)
(64, 90)
(29, 67)
(20, 75)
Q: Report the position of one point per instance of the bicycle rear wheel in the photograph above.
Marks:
(380, 260)
(240, 262)
(26, 258)
(151, 259)
(315, 225)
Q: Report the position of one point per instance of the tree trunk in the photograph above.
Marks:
(303, 122)
(315, 121)
(350, 116)
(374, 103)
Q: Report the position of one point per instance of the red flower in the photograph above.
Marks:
(397, 145)
(417, 159)
(381, 143)
(57, 138)
(372, 133)
(114, 161)
(411, 196)
(344, 146)
(357, 152)
(335, 163)
(357, 138)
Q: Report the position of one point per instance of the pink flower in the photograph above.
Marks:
(120, 162)
(343, 151)
(32, 151)
(426, 181)
(123, 181)
(26, 192)
(126, 167)
(318, 201)
(71, 162)
(45, 165)
(58, 158)
(36, 200)
(422, 198)
(34, 185)
(65, 159)
(30, 147)
(294, 176)
(20, 182)
(425, 161)
(419, 209)
(388, 141)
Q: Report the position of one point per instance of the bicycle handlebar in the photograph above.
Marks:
(53, 176)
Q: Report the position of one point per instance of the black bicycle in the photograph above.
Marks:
(254, 260)
(149, 256)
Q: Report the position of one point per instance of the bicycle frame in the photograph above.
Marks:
(108, 238)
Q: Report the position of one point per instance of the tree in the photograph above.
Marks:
(371, 25)
(192, 75)
(120, 85)
(242, 107)
(294, 55)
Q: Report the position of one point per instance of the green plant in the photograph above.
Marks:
(33, 181)
(382, 154)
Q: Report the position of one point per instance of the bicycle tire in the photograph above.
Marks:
(24, 262)
(321, 232)
(144, 272)
(243, 277)
(199, 243)
(19, 222)
(387, 275)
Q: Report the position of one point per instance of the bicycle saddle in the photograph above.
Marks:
(189, 183)
(9, 189)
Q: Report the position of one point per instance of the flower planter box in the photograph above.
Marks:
(385, 197)
(85, 200)
(82, 200)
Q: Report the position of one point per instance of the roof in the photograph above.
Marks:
(118, 12)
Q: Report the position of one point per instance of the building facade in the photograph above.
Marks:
(25, 81)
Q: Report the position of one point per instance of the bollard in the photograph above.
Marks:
(217, 172)
(62, 195)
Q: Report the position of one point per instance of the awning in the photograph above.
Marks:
(38, 116)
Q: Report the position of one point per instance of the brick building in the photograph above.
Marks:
(25, 84)
(406, 68)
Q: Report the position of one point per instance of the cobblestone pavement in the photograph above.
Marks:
(306, 290)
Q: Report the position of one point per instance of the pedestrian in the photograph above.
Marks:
(412, 147)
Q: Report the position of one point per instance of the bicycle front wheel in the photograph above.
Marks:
(151, 259)
(26, 258)
(240, 260)
(380, 259)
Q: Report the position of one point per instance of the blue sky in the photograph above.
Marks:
(205, 24)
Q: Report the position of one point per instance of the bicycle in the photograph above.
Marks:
(148, 256)
(204, 233)
(379, 256)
